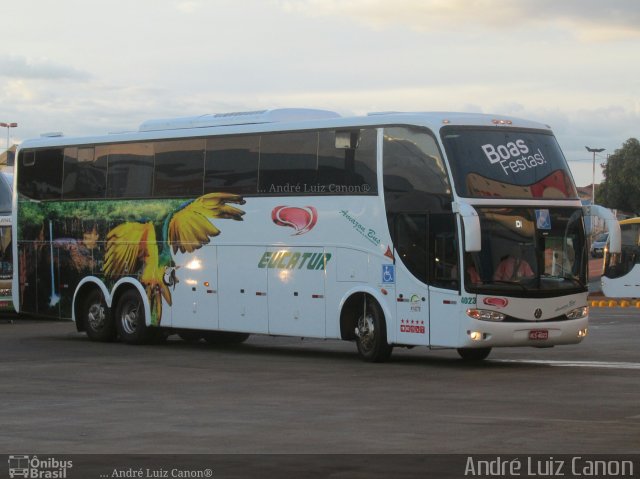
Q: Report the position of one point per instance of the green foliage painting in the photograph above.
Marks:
(61, 242)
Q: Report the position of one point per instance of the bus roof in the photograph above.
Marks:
(279, 120)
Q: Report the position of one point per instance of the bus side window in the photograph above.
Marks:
(231, 164)
(41, 174)
(443, 251)
(410, 240)
(85, 175)
(347, 166)
(178, 168)
(288, 162)
(130, 172)
(414, 174)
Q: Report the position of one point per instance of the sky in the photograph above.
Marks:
(87, 67)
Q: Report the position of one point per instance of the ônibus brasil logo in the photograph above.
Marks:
(34, 467)
(302, 220)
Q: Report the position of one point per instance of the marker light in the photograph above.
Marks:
(501, 122)
(194, 264)
(578, 313)
(485, 315)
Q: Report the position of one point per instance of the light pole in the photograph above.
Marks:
(593, 182)
(8, 126)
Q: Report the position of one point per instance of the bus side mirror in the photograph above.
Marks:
(471, 221)
(615, 238)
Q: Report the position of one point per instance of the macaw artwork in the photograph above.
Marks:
(145, 248)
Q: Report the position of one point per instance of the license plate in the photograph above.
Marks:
(538, 334)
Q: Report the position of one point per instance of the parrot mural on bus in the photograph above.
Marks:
(145, 248)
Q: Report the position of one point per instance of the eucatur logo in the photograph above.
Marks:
(302, 220)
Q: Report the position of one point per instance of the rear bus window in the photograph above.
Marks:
(40, 176)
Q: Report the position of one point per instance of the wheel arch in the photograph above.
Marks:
(87, 284)
(349, 308)
(125, 284)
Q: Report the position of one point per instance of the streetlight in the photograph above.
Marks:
(593, 182)
(8, 126)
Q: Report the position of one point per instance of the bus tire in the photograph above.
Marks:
(225, 337)
(130, 319)
(371, 334)
(474, 354)
(95, 314)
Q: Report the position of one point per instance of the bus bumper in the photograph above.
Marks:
(483, 334)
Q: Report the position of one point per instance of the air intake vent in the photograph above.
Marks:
(238, 118)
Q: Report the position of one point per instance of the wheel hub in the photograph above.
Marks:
(365, 331)
(96, 316)
(130, 320)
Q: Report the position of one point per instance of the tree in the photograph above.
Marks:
(621, 186)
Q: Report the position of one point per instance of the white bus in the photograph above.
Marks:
(621, 271)
(388, 230)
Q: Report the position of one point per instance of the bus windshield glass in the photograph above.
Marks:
(507, 163)
(529, 251)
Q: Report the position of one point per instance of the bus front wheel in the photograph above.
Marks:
(474, 354)
(98, 323)
(371, 334)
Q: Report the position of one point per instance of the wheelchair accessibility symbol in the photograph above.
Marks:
(388, 273)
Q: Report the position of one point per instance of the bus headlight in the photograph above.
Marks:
(578, 313)
(485, 315)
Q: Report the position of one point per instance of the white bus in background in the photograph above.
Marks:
(621, 271)
(442, 230)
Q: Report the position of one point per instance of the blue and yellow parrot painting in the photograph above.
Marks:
(139, 248)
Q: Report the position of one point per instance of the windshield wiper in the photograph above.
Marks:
(565, 277)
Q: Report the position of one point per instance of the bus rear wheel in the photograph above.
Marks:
(474, 354)
(98, 323)
(371, 334)
(131, 320)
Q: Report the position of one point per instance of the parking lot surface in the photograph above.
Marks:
(63, 394)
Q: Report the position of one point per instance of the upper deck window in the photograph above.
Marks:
(40, 175)
(85, 175)
(507, 163)
(179, 167)
(415, 178)
(130, 173)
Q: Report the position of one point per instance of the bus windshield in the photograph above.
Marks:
(529, 251)
(507, 163)
(617, 265)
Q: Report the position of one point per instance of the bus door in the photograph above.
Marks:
(410, 239)
(444, 280)
(427, 246)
